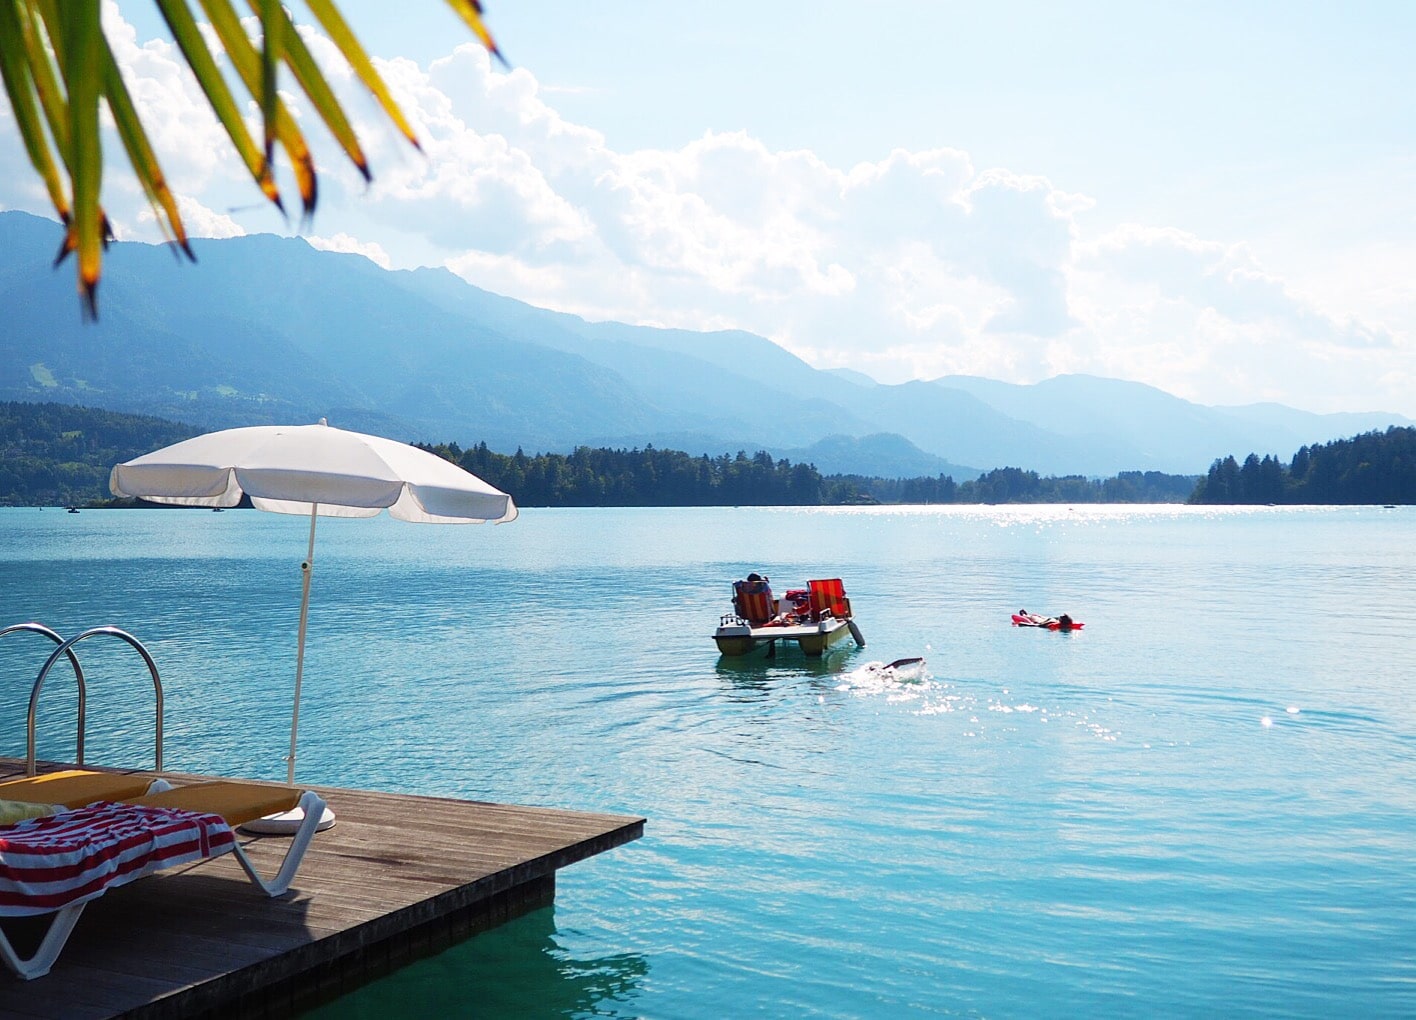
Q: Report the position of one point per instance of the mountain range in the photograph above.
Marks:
(269, 329)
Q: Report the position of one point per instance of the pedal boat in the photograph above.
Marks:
(816, 618)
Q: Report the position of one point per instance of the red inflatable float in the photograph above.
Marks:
(1023, 618)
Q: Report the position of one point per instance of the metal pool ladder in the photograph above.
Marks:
(65, 650)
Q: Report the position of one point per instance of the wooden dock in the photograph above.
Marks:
(397, 878)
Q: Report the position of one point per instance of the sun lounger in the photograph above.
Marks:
(81, 853)
(58, 863)
(75, 788)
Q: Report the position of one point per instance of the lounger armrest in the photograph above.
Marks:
(313, 805)
(38, 964)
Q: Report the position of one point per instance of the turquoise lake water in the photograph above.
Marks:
(1202, 804)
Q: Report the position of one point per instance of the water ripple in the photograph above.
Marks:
(1202, 804)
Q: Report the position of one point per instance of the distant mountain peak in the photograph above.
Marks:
(422, 354)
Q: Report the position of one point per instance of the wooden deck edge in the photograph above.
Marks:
(333, 966)
(323, 981)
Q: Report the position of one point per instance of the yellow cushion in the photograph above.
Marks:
(236, 802)
(74, 788)
(12, 811)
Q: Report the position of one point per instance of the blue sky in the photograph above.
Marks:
(1216, 199)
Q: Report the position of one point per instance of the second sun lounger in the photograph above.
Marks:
(243, 802)
(76, 788)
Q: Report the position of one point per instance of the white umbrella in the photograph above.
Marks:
(316, 470)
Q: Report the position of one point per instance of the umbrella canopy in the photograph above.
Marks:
(299, 469)
(316, 470)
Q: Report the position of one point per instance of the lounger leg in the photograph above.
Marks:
(313, 805)
(49, 949)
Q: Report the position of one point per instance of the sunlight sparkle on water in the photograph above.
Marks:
(960, 841)
(897, 683)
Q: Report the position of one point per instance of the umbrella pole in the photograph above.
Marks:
(306, 569)
(288, 822)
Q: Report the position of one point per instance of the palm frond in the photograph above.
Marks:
(338, 31)
(140, 154)
(270, 13)
(279, 124)
(470, 11)
(317, 89)
(38, 23)
(18, 76)
(188, 37)
(57, 68)
(80, 58)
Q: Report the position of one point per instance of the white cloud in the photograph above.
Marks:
(197, 218)
(1205, 321)
(916, 265)
(371, 250)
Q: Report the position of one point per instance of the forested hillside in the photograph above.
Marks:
(599, 477)
(59, 454)
(1375, 467)
(56, 455)
(1013, 485)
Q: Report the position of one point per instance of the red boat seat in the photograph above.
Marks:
(829, 596)
(753, 602)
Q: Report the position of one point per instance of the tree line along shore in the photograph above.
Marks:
(60, 455)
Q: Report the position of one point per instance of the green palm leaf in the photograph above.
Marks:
(56, 66)
(279, 125)
(270, 15)
(80, 53)
(307, 73)
(140, 154)
(470, 11)
(188, 37)
(17, 74)
(338, 30)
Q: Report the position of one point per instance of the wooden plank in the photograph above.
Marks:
(399, 876)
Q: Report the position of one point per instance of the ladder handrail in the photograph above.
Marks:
(64, 649)
(39, 628)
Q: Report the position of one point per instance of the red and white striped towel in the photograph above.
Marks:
(50, 863)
